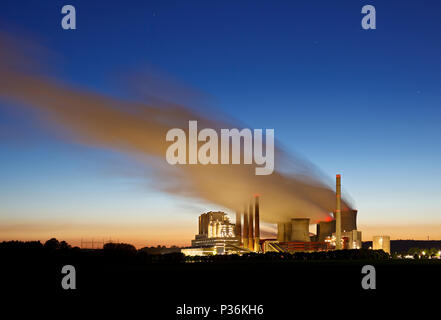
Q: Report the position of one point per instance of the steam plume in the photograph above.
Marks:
(139, 130)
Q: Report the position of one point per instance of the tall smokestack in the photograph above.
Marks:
(245, 227)
(238, 227)
(250, 227)
(257, 224)
(338, 214)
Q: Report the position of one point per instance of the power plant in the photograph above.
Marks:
(217, 235)
(339, 232)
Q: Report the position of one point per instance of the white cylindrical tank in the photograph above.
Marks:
(381, 243)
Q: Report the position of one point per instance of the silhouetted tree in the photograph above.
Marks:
(21, 245)
(52, 244)
(64, 245)
(120, 247)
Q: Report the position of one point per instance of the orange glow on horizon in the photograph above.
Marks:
(181, 235)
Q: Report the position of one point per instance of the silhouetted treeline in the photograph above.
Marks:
(119, 247)
(61, 251)
(35, 246)
(160, 250)
(21, 245)
(122, 253)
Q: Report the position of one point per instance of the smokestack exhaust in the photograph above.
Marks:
(338, 213)
(257, 224)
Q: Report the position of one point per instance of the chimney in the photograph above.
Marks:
(250, 228)
(257, 224)
(245, 227)
(238, 227)
(338, 214)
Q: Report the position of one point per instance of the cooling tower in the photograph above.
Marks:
(325, 229)
(288, 230)
(284, 231)
(348, 220)
(280, 232)
(300, 230)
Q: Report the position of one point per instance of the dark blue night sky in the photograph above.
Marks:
(364, 103)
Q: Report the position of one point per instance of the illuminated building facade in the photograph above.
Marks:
(215, 225)
(216, 236)
(349, 240)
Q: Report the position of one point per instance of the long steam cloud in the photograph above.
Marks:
(139, 130)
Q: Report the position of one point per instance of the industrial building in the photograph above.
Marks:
(217, 235)
(352, 239)
(340, 232)
(214, 227)
(297, 230)
(325, 229)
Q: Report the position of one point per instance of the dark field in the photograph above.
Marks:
(161, 283)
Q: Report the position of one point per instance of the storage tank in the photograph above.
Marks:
(381, 242)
